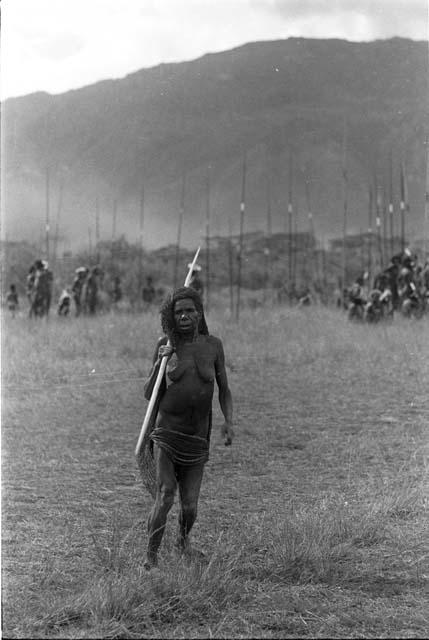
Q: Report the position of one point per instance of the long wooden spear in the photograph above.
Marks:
(114, 219)
(402, 206)
(296, 248)
(345, 207)
(141, 221)
(370, 234)
(407, 199)
(208, 241)
(378, 222)
(391, 208)
(426, 225)
(47, 223)
(231, 267)
(310, 242)
(97, 229)
(290, 220)
(179, 230)
(383, 210)
(268, 234)
(240, 249)
(362, 250)
(112, 250)
(324, 275)
(160, 375)
(90, 243)
(57, 222)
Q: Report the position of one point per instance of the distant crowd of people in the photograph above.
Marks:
(403, 287)
(86, 295)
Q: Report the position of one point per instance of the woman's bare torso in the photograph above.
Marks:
(190, 376)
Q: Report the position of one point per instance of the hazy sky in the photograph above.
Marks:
(57, 45)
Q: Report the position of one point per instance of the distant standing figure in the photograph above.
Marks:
(77, 286)
(405, 283)
(12, 300)
(356, 293)
(387, 280)
(356, 300)
(64, 303)
(91, 291)
(39, 289)
(116, 290)
(148, 292)
(196, 282)
(338, 297)
(31, 276)
(425, 276)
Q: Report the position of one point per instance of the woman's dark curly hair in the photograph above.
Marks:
(167, 312)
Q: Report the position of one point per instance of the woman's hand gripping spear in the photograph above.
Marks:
(160, 375)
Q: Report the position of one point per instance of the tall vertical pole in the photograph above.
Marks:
(310, 249)
(141, 223)
(345, 207)
(57, 221)
(240, 246)
(324, 273)
(296, 249)
(402, 206)
(115, 211)
(208, 241)
(290, 216)
(97, 229)
(426, 224)
(90, 244)
(383, 211)
(362, 251)
(47, 213)
(268, 234)
(47, 185)
(407, 199)
(179, 230)
(378, 222)
(370, 206)
(391, 207)
(231, 268)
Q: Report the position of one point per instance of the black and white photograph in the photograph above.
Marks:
(214, 235)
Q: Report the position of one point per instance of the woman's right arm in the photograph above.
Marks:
(156, 361)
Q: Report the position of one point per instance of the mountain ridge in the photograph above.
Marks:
(193, 122)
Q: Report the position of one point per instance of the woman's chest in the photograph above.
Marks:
(192, 360)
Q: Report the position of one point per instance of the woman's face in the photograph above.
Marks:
(186, 316)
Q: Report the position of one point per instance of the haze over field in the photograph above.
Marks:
(194, 121)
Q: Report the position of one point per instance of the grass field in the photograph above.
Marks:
(314, 523)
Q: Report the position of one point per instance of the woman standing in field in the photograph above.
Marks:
(181, 434)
